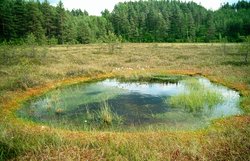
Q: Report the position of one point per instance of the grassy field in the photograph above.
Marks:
(29, 71)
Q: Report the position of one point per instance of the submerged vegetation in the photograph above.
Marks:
(197, 97)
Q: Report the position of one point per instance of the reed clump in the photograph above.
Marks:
(106, 116)
(196, 98)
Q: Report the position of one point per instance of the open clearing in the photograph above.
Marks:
(24, 75)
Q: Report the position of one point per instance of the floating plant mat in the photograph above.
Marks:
(111, 104)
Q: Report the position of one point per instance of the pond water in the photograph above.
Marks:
(128, 105)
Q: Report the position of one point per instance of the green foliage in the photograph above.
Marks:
(52, 41)
(34, 19)
(110, 38)
(196, 99)
(31, 40)
(140, 21)
(48, 18)
(60, 22)
(84, 35)
(175, 21)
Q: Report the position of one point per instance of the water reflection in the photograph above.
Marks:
(139, 104)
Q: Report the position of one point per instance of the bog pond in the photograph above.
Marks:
(110, 104)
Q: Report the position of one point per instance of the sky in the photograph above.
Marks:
(94, 7)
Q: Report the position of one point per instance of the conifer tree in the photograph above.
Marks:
(20, 18)
(34, 21)
(60, 22)
(48, 18)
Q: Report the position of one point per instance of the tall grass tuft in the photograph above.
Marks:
(107, 116)
(197, 98)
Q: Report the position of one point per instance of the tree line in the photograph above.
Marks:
(141, 21)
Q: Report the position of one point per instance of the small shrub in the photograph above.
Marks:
(52, 41)
(113, 42)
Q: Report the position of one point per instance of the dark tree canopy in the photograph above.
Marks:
(141, 21)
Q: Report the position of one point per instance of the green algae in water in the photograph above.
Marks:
(130, 106)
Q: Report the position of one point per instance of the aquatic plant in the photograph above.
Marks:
(197, 98)
(106, 116)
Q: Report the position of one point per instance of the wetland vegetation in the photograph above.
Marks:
(142, 106)
(97, 96)
(196, 97)
(65, 65)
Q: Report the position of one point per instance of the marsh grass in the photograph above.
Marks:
(152, 77)
(92, 120)
(106, 116)
(222, 142)
(197, 97)
(12, 145)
